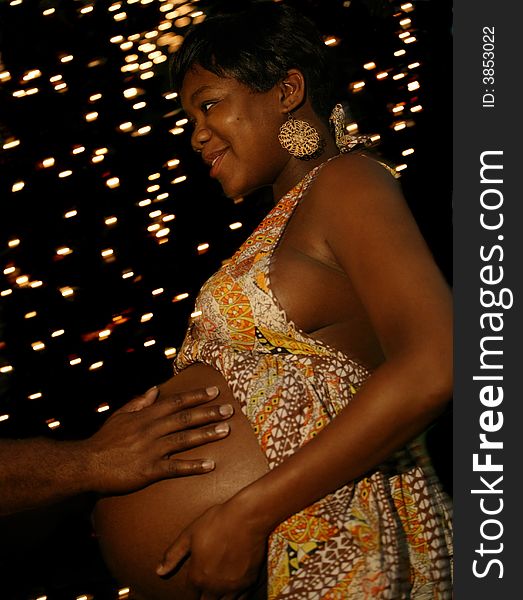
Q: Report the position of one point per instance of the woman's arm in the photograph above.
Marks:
(373, 237)
(132, 449)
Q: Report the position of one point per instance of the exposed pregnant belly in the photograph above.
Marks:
(135, 529)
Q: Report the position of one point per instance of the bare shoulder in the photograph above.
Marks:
(357, 183)
(368, 230)
(359, 166)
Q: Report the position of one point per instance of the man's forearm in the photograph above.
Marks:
(38, 471)
(136, 446)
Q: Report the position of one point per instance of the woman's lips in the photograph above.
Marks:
(215, 165)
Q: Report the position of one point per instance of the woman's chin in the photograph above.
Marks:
(237, 192)
(231, 191)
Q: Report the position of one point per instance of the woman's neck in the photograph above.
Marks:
(296, 169)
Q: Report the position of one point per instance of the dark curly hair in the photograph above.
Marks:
(257, 45)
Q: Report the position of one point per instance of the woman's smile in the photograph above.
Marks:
(235, 129)
(214, 160)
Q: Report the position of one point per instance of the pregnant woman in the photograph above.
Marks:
(329, 332)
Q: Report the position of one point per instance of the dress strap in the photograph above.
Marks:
(390, 169)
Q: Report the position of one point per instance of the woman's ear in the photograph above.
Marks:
(292, 91)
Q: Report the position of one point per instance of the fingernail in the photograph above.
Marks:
(153, 389)
(222, 428)
(160, 570)
(226, 410)
(208, 465)
(212, 391)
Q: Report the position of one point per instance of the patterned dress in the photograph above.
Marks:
(386, 535)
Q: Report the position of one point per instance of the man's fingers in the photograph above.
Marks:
(234, 596)
(172, 467)
(150, 396)
(175, 403)
(172, 404)
(140, 402)
(193, 417)
(174, 554)
(192, 438)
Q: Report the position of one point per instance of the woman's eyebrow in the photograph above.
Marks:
(202, 88)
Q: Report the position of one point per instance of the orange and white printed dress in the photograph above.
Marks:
(386, 535)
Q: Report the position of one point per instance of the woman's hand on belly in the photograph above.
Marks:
(226, 552)
(136, 446)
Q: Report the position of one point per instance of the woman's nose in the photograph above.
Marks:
(200, 136)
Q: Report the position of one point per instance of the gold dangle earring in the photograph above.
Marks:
(299, 138)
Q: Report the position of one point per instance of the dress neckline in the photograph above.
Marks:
(309, 174)
(297, 192)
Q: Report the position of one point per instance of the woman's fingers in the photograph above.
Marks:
(175, 554)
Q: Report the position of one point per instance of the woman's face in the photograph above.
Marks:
(235, 129)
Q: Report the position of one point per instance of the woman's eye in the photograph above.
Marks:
(207, 105)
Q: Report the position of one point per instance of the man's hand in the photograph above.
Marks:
(136, 446)
(133, 448)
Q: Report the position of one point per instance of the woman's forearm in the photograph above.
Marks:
(393, 406)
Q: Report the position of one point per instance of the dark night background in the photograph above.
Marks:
(51, 552)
